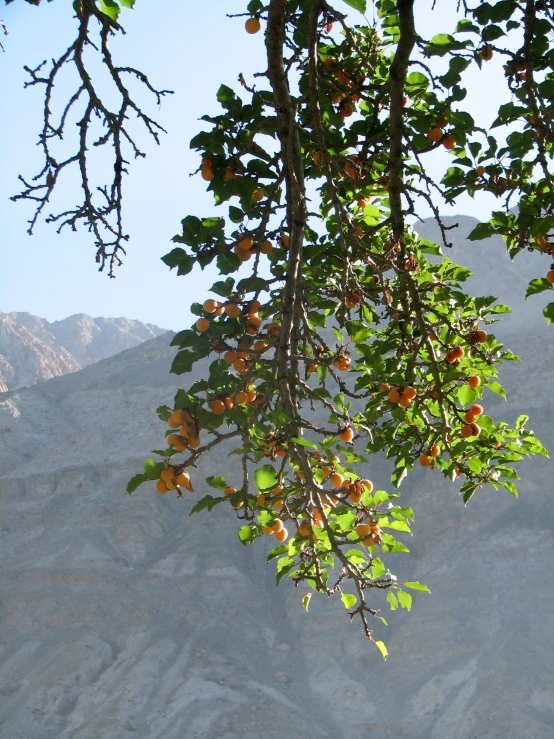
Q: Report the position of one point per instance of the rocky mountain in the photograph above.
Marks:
(33, 350)
(123, 617)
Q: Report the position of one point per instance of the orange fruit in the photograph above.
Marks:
(177, 442)
(252, 25)
(363, 530)
(277, 526)
(336, 480)
(394, 395)
(304, 527)
(384, 387)
(202, 324)
(210, 306)
(368, 485)
(246, 243)
(241, 397)
(260, 346)
(435, 134)
(474, 381)
(404, 401)
(347, 435)
(252, 395)
(161, 487)
(281, 535)
(451, 356)
(409, 393)
(466, 431)
(424, 460)
(355, 496)
(229, 175)
(475, 429)
(469, 417)
(258, 195)
(458, 352)
(230, 357)
(435, 450)
(193, 442)
(449, 142)
(317, 158)
(207, 174)
(476, 409)
(183, 478)
(228, 403)
(232, 310)
(167, 475)
(284, 241)
(266, 247)
(550, 276)
(239, 365)
(229, 491)
(218, 407)
(480, 336)
(480, 170)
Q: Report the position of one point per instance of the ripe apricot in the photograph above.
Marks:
(193, 442)
(252, 395)
(281, 535)
(207, 174)
(246, 243)
(368, 485)
(363, 530)
(355, 496)
(167, 474)
(480, 336)
(228, 403)
(266, 247)
(449, 142)
(342, 362)
(466, 431)
(550, 276)
(394, 395)
(229, 490)
(304, 527)
(458, 352)
(384, 387)
(232, 310)
(260, 346)
(239, 365)
(210, 306)
(230, 357)
(218, 407)
(404, 401)
(277, 489)
(475, 429)
(474, 381)
(252, 25)
(284, 241)
(258, 195)
(177, 442)
(183, 478)
(469, 417)
(476, 409)
(347, 434)
(175, 419)
(267, 529)
(329, 62)
(435, 450)
(229, 175)
(480, 170)
(241, 397)
(451, 356)
(202, 324)
(277, 526)
(435, 134)
(161, 487)
(409, 392)
(253, 319)
(424, 460)
(336, 480)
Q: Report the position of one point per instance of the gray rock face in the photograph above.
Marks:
(123, 617)
(33, 350)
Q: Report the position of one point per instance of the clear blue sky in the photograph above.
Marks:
(190, 48)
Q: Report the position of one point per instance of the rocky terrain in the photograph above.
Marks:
(123, 617)
(33, 350)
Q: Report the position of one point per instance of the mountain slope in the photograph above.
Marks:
(33, 350)
(124, 617)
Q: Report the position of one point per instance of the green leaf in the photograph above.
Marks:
(539, 285)
(183, 362)
(303, 442)
(414, 585)
(135, 482)
(405, 600)
(509, 486)
(393, 601)
(128, 3)
(349, 600)
(179, 258)
(521, 421)
(482, 231)
(497, 388)
(216, 482)
(548, 313)
(149, 464)
(382, 648)
(357, 4)
(208, 501)
(277, 551)
(265, 477)
(111, 9)
(306, 601)
(466, 395)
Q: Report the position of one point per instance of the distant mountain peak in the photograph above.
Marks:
(33, 349)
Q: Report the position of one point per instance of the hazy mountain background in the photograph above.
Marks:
(33, 350)
(123, 617)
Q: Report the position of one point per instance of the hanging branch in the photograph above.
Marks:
(100, 209)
